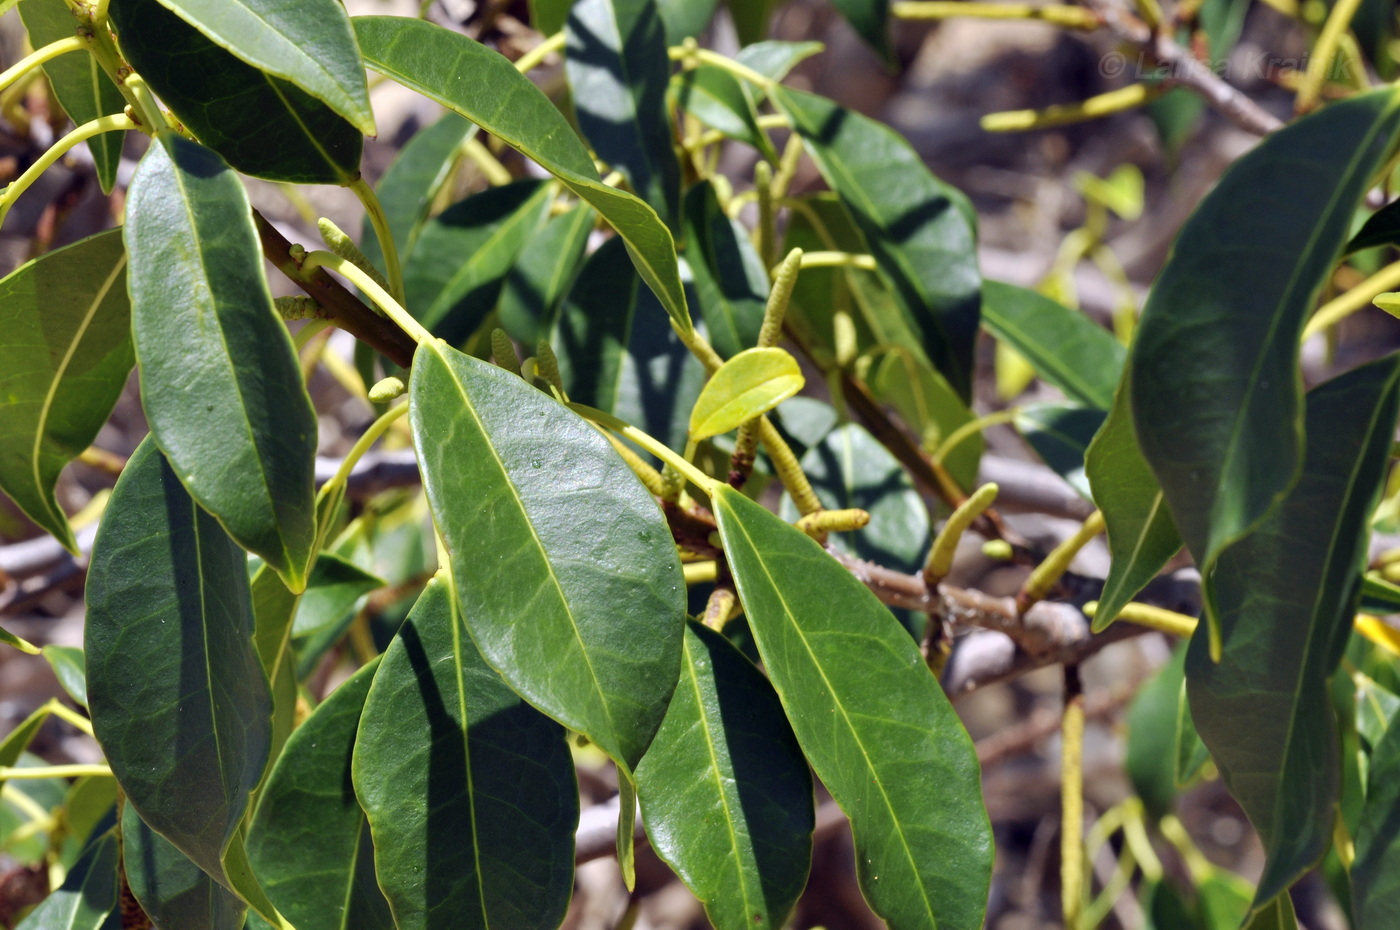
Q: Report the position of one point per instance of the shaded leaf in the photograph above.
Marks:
(309, 44)
(469, 791)
(1217, 396)
(774, 59)
(725, 791)
(86, 897)
(233, 107)
(1065, 347)
(1375, 874)
(750, 18)
(685, 19)
(69, 667)
(870, 19)
(334, 587)
(173, 891)
(64, 359)
(536, 284)
(1142, 535)
(508, 470)
(875, 725)
(1379, 595)
(716, 98)
(918, 228)
(167, 593)
(618, 70)
(205, 331)
(905, 380)
(1151, 744)
(731, 284)
(1375, 708)
(78, 81)
(1060, 434)
(453, 276)
(309, 840)
(618, 353)
(1287, 593)
(1381, 228)
(548, 16)
(745, 387)
(484, 87)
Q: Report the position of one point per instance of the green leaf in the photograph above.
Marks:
(725, 791)
(1286, 595)
(905, 380)
(64, 359)
(774, 59)
(1191, 753)
(89, 808)
(716, 98)
(1375, 708)
(273, 608)
(1381, 228)
(1223, 898)
(167, 594)
(685, 19)
(334, 587)
(261, 124)
(731, 284)
(1142, 537)
(1060, 434)
(484, 87)
(1164, 907)
(309, 44)
(745, 387)
(1275, 915)
(751, 18)
(87, 896)
(220, 382)
(1151, 743)
(309, 840)
(82, 87)
(70, 668)
(870, 717)
(1065, 347)
(1216, 389)
(548, 16)
(535, 286)
(14, 744)
(618, 353)
(23, 645)
(469, 792)
(459, 261)
(413, 180)
(1379, 595)
(618, 71)
(172, 890)
(508, 470)
(870, 19)
(1375, 874)
(917, 227)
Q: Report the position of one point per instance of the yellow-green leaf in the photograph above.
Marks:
(748, 385)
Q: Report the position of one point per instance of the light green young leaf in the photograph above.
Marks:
(870, 717)
(469, 792)
(482, 85)
(220, 382)
(508, 470)
(1216, 392)
(168, 594)
(1286, 595)
(725, 791)
(747, 386)
(64, 359)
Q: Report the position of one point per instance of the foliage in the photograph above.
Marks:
(578, 496)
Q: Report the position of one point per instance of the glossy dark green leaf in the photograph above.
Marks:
(174, 892)
(167, 594)
(82, 87)
(1287, 593)
(485, 88)
(1381, 228)
(309, 841)
(751, 18)
(716, 98)
(870, 717)
(1151, 743)
(1060, 434)
(542, 519)
(1164, 908)
(1142, 536)
(618, 70)
(535, 286)
(1217, 396)
(731, 284)
(88, 894)
(869, 18)
(220, 382)
(1375, 874)
(1064, 346)
(261, 124)
(725, 791)
(415, 176)
(460, 259)
(917, 227)
(469, 791)
(617, 353)
(70, 669)
(309, 44)
(64, 359)
(1375, 709)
